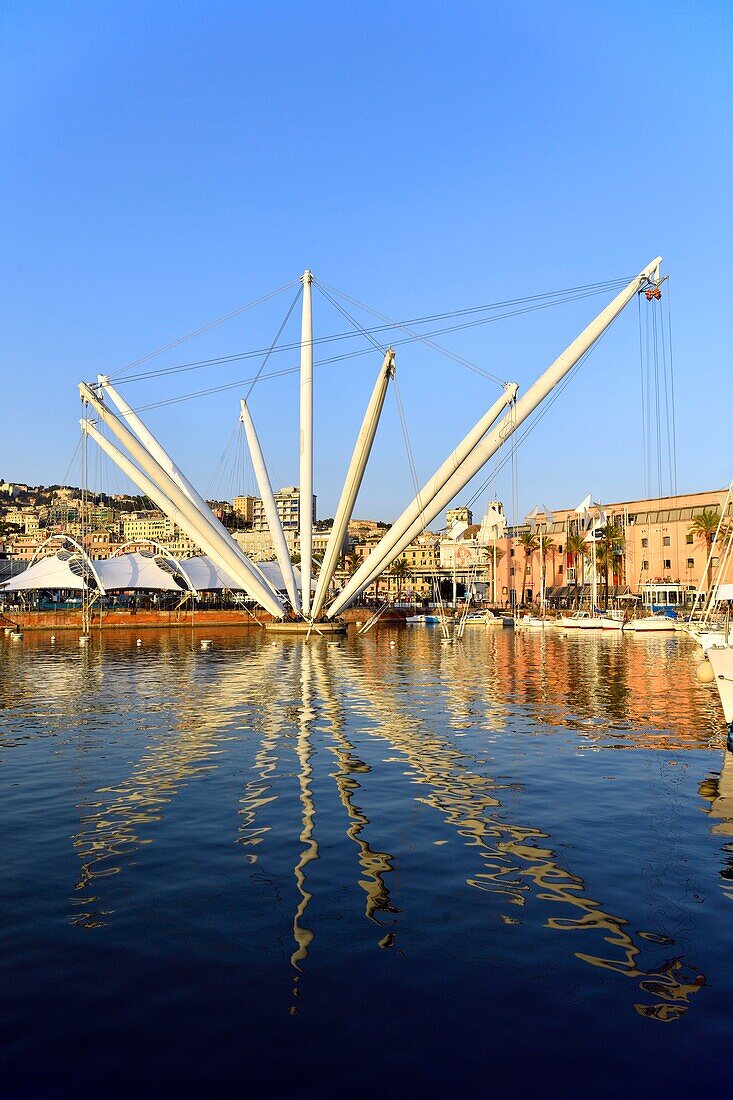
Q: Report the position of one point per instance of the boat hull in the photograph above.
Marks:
(651, 625)
(721, 659)
(298, 627)
(580, 624)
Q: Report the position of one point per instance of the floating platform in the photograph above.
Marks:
(315, 629)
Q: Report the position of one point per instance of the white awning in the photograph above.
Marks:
(724, 592)
(135, 571)
(51, 572)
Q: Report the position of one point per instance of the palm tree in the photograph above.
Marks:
(576, 549)
(351, 564)
(495, 555)
(703, 527)
(547, 546)
(609, 552)
(529, 543)
(399, 569)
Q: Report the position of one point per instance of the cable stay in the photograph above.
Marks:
(658, 413)
(239, 383)
(155, 474)
(527, 305)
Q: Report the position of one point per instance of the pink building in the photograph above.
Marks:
(658, 548)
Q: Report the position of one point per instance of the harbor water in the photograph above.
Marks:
(271, 867)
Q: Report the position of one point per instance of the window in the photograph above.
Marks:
(714, 563)
(667, 540)
(690, 538)
(559, 550)
(644, 543)
(511, 553)
(511, 571)
(690, 563)
(560, 570)
(645, 565)
(667, 563)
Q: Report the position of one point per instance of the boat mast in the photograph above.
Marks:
(306, 444)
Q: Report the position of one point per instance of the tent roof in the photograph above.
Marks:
(135, 571)
(205, 576)
(53, 571)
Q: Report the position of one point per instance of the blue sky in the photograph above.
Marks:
(164, 164)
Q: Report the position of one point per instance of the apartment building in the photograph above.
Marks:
(657, 547)
(244, 507)
(287, 502)
(458, 515)
(147, 525)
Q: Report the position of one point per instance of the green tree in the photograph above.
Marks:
(399, 570)
(529, 543)
(703, 527)
(351, 564)
(609, 554)
(576, 550)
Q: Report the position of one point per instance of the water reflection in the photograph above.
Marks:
(514, 864)
(285, 701)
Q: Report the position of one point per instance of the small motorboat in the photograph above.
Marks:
(482, 618)
(531, 622)
(580, 620)
(612, 620)
(651, 623)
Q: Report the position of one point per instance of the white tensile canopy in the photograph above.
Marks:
(52, 572)
(135, 571)
(206, 576)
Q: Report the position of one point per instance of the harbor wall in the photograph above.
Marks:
(141, 620)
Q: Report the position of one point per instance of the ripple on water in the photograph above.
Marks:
(395, 845)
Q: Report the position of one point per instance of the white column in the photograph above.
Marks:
(221, 549)
(390, 546)
(154, 492)
(268, 500)
(352, 484)
(306, 444)
(176, 475)
(417, 510)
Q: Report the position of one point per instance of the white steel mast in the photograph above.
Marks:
(391, 545)
(352, 484)
(221, 548)
(417, 510)
(268, 501)
(306, 444)
(169, 467)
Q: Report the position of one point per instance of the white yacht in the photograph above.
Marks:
(649, 623)
(721, 661)
(580, 620)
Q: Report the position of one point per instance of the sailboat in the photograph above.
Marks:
(589, 620)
